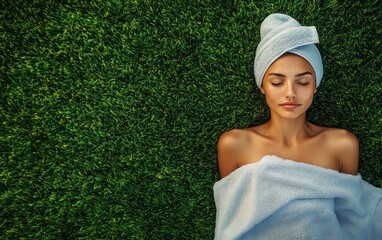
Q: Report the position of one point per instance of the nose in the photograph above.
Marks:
(289, 91)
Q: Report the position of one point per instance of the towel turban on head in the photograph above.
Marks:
(280, 34)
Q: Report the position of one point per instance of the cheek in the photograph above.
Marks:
(273, 93)
(306, 96)
(306, 93)
(273, 97)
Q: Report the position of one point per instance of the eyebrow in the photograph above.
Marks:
(304, 73)
(297, 75)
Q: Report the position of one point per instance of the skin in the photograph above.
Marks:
(289, 86)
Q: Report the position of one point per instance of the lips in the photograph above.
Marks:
(290, 105)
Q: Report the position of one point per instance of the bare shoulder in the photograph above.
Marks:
(233, 138)
(345, 146)
(230, 146)
(341, 137)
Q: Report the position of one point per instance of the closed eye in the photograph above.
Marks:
(304, 83)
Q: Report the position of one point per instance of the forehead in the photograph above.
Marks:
(290, 63)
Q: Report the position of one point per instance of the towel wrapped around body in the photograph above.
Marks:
(283, 199)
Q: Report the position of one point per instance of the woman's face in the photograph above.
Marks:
(289, 86)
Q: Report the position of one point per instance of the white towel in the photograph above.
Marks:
(283, 199)
(281, 33)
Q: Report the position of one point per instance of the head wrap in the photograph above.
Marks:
(280, 34)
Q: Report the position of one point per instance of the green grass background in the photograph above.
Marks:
(111, 110)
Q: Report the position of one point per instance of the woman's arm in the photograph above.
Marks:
(228, 152)
(348, 152)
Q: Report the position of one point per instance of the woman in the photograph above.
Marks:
(289, 85)
(264, 196)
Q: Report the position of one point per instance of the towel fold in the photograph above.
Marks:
(282, 199)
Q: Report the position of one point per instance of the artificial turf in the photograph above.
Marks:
(111, 110)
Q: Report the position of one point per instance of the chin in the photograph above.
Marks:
(289, 115)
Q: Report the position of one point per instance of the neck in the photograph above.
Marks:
(289, 132)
